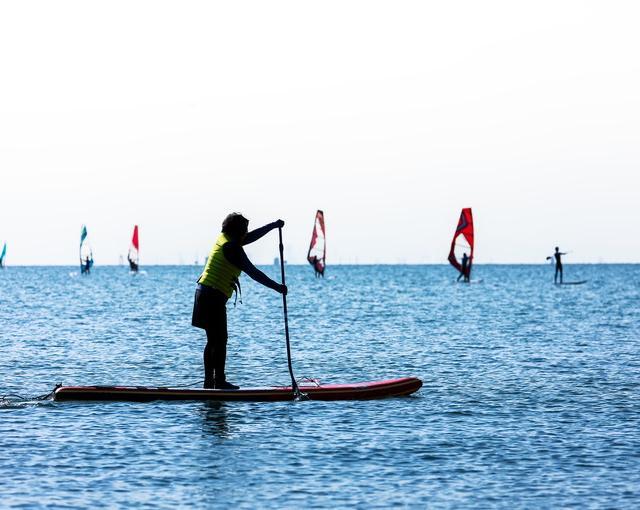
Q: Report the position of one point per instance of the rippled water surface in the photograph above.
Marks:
(531, 393)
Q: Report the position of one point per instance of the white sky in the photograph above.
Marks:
(390, 116)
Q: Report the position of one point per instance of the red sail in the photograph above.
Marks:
(463, 242)
(134, 240)
(317, 248)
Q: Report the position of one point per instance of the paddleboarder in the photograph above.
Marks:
(558, 259)
(216, 285)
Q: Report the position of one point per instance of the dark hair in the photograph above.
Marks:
(235, 225)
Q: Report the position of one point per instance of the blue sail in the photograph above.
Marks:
(4, 252)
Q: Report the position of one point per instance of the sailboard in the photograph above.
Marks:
(134, 251)
(86, 253)
(2, 254)
(461, 252)
(313, 391)
(580, 282)
(317, 248)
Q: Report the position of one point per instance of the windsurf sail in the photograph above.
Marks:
(317, 248)
(2, 254)
(86, 253)
(134, 251)
(461, 253)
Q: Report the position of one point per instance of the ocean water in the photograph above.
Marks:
(531, 395)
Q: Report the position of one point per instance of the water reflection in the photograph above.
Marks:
(215, 422)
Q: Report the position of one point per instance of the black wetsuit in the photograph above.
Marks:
(132, 265)
(210, 311)
(464, 271)
(557, 255)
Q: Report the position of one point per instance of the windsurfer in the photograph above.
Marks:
(132, 264)
(216, 285)
(463, 240)
(315, 262)
(316, 256)
(87, 266)
(134, 252)
(464, 269)
(558, 258)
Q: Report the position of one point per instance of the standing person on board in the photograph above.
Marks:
(464, 271)
(558, 258)
(314, 262)
(217, 283)
(133, 266)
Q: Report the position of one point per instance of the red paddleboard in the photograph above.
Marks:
(357, 391)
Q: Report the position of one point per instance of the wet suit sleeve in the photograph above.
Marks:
(236, 255)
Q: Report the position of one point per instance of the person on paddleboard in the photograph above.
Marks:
(464, 271)
(558, 259)
(216, 285)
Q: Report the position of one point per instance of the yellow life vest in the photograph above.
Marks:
(219, 273)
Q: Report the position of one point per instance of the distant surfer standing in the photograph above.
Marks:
(133, 266)
(558, 259)
(216, 285)
(315, 262)
(464, 269)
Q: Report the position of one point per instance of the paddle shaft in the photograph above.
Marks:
(294, 384)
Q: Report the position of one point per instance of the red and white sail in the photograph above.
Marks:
(318, 248)
(462, 243)
(134, 249)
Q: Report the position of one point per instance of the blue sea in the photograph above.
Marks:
(531, 395)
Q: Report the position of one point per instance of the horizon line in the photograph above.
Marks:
(603, 263)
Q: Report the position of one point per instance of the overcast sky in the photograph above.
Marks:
(389, 116)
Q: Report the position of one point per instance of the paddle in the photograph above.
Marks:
(294, 384)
